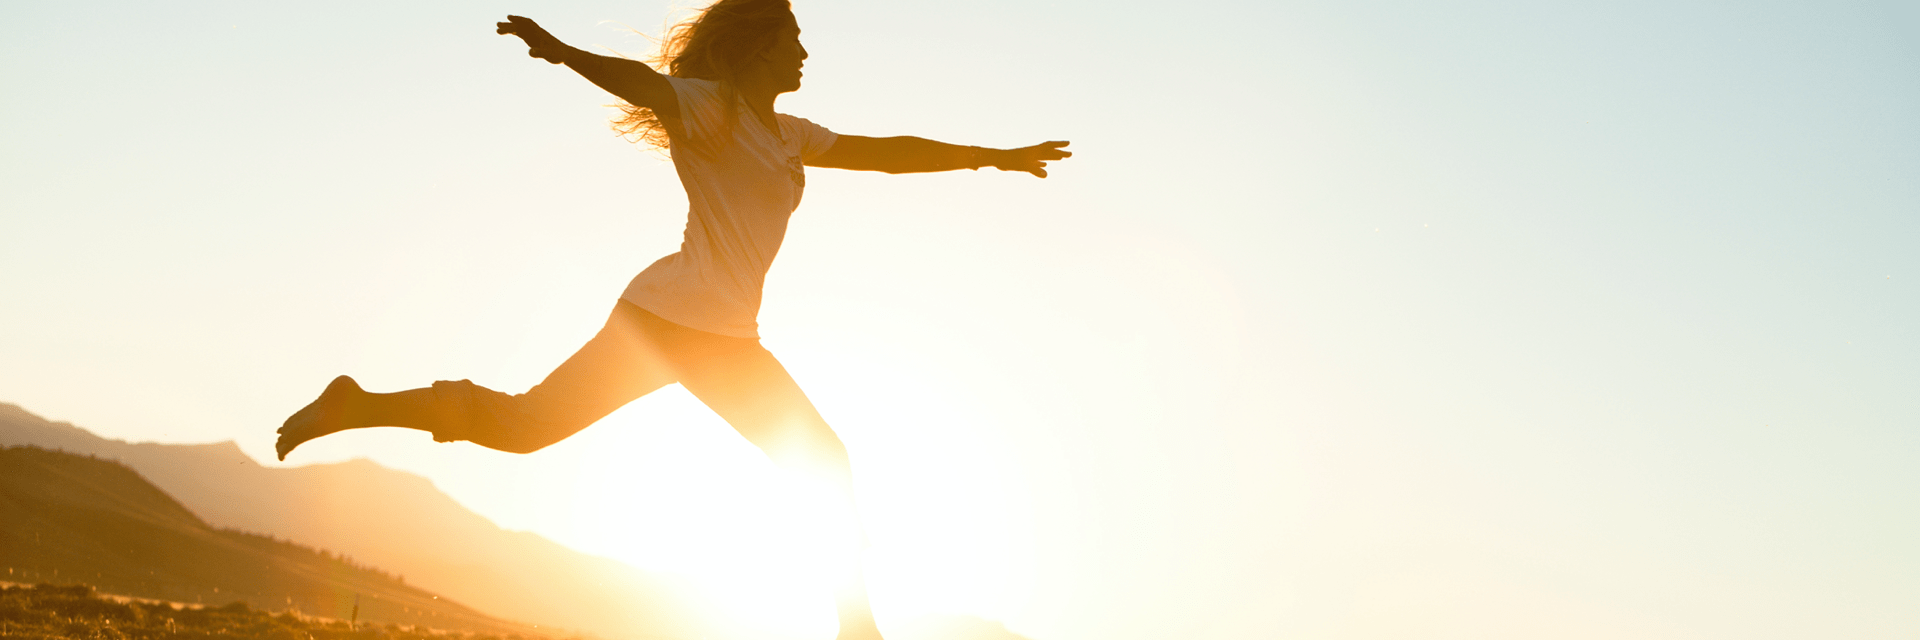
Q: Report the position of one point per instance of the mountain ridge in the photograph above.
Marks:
(395, 520)
(72, 518)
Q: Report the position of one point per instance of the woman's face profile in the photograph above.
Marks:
(783, 59)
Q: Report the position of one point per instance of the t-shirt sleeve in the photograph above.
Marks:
(702, 115)
(813, 139)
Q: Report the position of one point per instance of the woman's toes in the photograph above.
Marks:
(321, 417)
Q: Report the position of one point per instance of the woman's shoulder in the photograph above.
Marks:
(810, 138)
(790, 120)
(695, 87)
(701, 110)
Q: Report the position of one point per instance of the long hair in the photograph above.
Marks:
(717, 43)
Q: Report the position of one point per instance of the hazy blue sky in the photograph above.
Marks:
(1348, 320)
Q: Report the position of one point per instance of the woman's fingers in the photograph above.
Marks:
(540, 44)
(1034, 159)
(518, 26)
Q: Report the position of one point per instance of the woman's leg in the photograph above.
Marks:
(619, 364)
(748, 387)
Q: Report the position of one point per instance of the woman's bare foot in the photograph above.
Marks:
(331, 413)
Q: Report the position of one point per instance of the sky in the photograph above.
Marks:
(1348, 320)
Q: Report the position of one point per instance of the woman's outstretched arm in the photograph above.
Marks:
(629, 80)
(907, 154)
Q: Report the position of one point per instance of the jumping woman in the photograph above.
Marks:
(691, 316)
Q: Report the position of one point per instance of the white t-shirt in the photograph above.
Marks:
(743, 181)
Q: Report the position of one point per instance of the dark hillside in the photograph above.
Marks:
(394, 520)
(72, 518)
(76, 611)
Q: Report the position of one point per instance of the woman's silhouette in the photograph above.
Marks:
(690, 317)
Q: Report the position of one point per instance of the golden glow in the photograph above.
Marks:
(667, 486)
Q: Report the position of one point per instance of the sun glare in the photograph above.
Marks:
(667, 486)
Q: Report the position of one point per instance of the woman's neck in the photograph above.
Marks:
(758, 93)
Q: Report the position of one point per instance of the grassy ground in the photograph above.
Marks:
(76, 611)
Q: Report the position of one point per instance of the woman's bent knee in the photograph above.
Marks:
(495, 420)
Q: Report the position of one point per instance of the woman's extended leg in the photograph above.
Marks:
(619, 364)
(747, 386)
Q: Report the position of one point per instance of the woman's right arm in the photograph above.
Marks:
(629, 80)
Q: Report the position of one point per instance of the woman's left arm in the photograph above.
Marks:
(906, 154)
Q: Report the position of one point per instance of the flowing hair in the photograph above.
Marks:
(717, 43)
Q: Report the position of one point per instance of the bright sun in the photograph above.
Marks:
(667, 486)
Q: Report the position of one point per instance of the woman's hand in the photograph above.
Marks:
(540, 44)
(1032, 159)
(630, 80)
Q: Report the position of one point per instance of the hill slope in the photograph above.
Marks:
(70, 518)
(394, 520)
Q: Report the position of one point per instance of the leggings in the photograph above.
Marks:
(634, 354)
